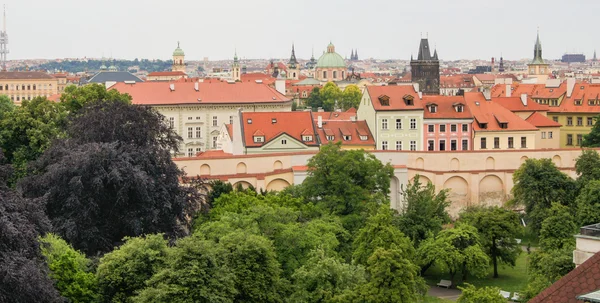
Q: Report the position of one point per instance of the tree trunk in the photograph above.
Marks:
(464, 272)
(425, 268)
(495, 258)
(452, 273)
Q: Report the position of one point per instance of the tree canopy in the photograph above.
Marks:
(75, 98)
(471, 294)
(350, 97)
(331, 95)
(592, 139)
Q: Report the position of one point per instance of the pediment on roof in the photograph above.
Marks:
(290, 144)
(215, 132)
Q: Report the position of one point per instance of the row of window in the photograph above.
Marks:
(443, 147)
(334, 74)
(191, 132)
(384, 124)
(453, 128)
(550, 135)
(385, 146)
(24, 86)
(570, 139)
(589, 121)
(260, 139)
(23, 98)
(215, 121)
(191, 153)
(511, 143)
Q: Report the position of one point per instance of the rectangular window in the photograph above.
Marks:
(398, 145)
(570, 121)
(555, 118)
(284, 141)
(171, 122)
(543, 135)
(442, 145)
(579, 139)
(413, 145)
(442, 128)
(324, 74)
(230, 119)
(430, 145)
(579, 121)
(198, 150)
(549, 135)
(465, 144)
(523, 142)
(452, 144)
(483, 143)
(190, 132)
(384, 124)
(398, 123)
(590, 121)
(430, 128)
(496, 142)
(334, 74)
(198, 132)
(569, 139)
(511, 142)
(413, 123)
(215, 121)
(330, 138)
(214, 142)
(190, 152)
(453, 128)
(189, 118)
(384, 145)
(465, 127)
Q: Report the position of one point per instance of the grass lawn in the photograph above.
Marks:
(429, 299)
(510, 278)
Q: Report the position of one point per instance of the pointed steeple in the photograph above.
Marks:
(424, 52)
(356, 54)
(293, 60)
(537, 50)
(435, 56)
(235, 56)
(594, 58)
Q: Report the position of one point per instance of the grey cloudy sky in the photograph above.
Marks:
(461, 29)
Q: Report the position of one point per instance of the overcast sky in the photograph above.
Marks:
(461, 29)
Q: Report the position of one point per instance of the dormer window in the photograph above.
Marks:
(384, 100)
(330, 138)
(363, 138)
(408, 100)
(347, 138)
(460, 108)
(578, 102)
(307, 138)
(274, 120)
(483, 125)
(503, 125)
(259, 139)
(433, 108)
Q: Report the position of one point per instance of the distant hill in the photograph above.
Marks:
(94, 65)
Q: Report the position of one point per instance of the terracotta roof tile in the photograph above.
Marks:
(515, 104)
(446, 107)
(581, 280)
(163, 74)
(24, 75)
(485, 111)
(354, 129)
(340, 116)
(539, 120)
(457, 81)
(159, 93)
(396, 94)
(294, 124)
(579, 102)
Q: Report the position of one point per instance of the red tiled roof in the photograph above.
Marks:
(354, 129)
(252, 77)
(396, 93)
(445, 107)
(294, 124)
(164, 74)
(536, 91)
(582, 92)
(159, 93)
(514, 104)
(212, 153)
(55, 97)
(538, 120)
(280, 65)
(457, 81)
(60, 75)
(329, 116)
(581, 280)
(490, 112)
(229, 130)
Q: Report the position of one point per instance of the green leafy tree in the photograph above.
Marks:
(423, 211)
(254, 264)
(195, 271)
(351, 97)
(75, 98)
(70, 269)
(471, 294)
(454, 250)
(538, 183)
(498, 228)
(323, 277)
(27, 131)
(6, 105)
(392, 278)
(124, 271)
(331, 96)
(592, 139)
(347, 183)
(558, 229)
(379, 232)
(587, 167)
(546, 267)
(588, 204)
(314, 100)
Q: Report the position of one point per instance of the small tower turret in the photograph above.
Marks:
(236, 74)
(178, 60)
(293, 66)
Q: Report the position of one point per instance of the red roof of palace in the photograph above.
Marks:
(515, 104)
(446, 107)
(396, 93)
(487, 111)
(273, 124)
(354, 129)
(219, 92)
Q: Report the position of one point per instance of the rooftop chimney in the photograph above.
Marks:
(280, 85)
(172, 86)
(508, 90)
(196, 86)
(320, 122)
(487, 93)
(524, 99)
(570, 86)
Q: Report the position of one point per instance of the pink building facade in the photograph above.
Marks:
(447, 124)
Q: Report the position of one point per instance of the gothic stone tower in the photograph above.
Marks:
(293, 66)
(426, 70)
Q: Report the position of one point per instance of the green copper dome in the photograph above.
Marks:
(178, 51)
(331, 59)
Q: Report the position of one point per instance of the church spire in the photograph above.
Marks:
(537, 50)
(594, 59)
(293, 60)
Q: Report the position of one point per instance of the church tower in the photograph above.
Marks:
(178, 60)
(501, 66)
(426, 69)
(293, 67)
(236, 74)
(538, 67)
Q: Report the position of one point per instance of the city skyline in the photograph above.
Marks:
(266, 29)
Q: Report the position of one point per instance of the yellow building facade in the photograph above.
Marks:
(19, 86)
